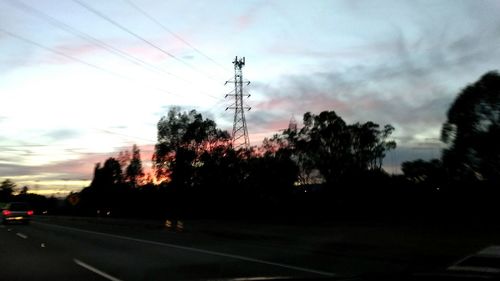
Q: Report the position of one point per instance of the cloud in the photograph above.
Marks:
(249, 17)
(78, 49)
(264, 124)
(65, 176)
(81, 168)
(62, 134)
(358, 101)
(121, 127)
(356, 52)
(130, 50)
(409, 82)
(11, 169)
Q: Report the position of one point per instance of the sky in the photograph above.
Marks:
(81, 80)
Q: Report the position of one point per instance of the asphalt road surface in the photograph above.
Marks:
(93, 249)
(49, 251)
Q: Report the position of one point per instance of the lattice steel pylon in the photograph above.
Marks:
(239, 135)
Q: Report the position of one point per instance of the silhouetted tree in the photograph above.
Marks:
(182, 138)
(369, 144)
(124, 159)
(428, 173)
(220, 168)
(24, 190)
(38, 202)
(273, 174)
(6, 189)
(107, 190)
(472, 132)
(338, 150)
(107, 176)
(171, 130)
(134, 169)
(307, 172)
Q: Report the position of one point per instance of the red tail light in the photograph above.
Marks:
(6, 212)
(30, 213)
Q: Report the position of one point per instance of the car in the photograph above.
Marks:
(17, 212)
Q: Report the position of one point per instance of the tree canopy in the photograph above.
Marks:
(472, 131)
(336, 149)
(134, 169)
(182, 136)
(6, 189)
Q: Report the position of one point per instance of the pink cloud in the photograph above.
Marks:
(83, 167)
(283, 108)
(132, 47)
(246, 19)
(368, 103)
(274, 126)
(274, 104)
(302, 103)
(167, 42)
(78, 50)
(74, 50)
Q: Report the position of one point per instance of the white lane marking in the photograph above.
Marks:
(263, 278)
(213, 253)
(22, 235)
(96, 271)
(474, 269)
(492, 250)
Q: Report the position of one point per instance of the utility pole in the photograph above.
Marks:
(240, 131)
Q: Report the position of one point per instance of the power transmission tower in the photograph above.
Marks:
(240, 130)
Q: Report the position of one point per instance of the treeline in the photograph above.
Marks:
(200, 173)
(40, 204)
(321, 168)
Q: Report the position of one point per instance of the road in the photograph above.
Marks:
(49, 251)
(93, 249)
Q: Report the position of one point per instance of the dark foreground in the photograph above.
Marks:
(63, 248)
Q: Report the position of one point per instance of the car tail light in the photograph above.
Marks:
(6, 212)
(30, 213)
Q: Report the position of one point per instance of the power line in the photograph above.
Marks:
(24, 39)
(85, 36)
(99, 43)
(124, 135)
(115, 23)
(144, 13)
(210, 109)
(19, 37)
(135, 60)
